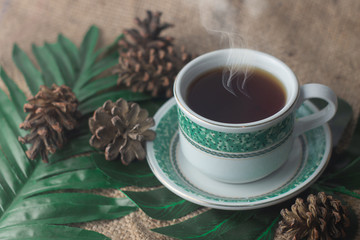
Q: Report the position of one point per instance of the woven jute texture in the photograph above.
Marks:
(319, 40)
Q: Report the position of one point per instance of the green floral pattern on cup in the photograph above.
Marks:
(235, 142)
(313, 149)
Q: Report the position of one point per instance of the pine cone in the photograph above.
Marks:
(51, 111)
(121, 128)
(149, 62)
(321, 218)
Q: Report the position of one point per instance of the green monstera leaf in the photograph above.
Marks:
(37, 198)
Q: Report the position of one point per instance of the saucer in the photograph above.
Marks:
(307, 160)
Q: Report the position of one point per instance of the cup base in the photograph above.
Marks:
(236, 170)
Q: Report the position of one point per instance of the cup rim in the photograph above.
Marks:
(289, 105)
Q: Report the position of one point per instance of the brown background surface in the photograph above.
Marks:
(319, 40)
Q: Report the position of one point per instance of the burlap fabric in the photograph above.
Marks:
(319, 40)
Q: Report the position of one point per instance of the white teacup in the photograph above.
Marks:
(240, 153)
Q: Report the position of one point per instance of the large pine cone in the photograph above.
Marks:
(149, 62)
(51, 112)
(121, 128)
(320, 218)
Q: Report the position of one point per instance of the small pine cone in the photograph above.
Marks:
(121, 128)
(320, 218)
(51, 112)
(149, 62)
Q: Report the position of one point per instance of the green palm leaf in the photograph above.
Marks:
(71, 53)
(45, 232)
(17, 96)
(77, 146)
(162, 204)
(32, 76)
(50, 70)
(215, 224)
(63, 62)
(93, 103)
(27, 197)
(62, 208)
(96, 86)
(34, 196)
(344, 176)
(136, 174)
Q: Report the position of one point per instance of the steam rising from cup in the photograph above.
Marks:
(219, 18)
(234, 77)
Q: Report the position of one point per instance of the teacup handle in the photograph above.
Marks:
(314, 90)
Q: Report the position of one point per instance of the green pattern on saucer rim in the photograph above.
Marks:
(235, 142)
(167, 140)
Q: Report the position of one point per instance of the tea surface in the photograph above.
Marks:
(260, 96)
